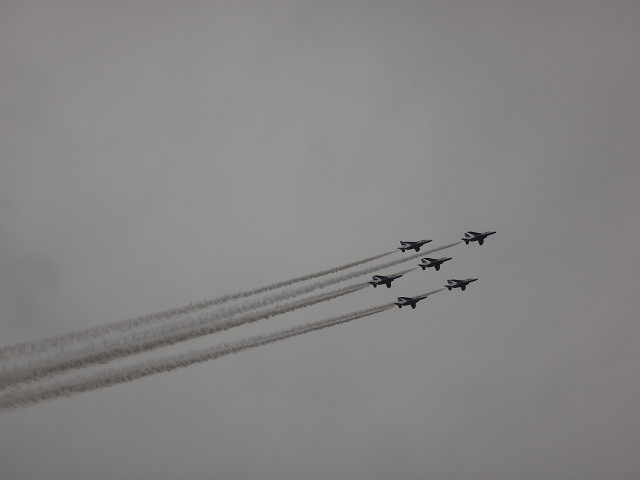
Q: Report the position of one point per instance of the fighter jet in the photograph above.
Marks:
(412, 245)
(404, 301)
(461, 284)
(475, 237)
(433, 262)
(383, 280)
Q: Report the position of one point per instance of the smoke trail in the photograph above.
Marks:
(123, 325)
(144, 341)
(51, 342)
(114, 376)
(432, 292)
(403, 272)
(165, 335)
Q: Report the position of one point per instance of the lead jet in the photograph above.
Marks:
(475, 237)
(433, 262)
(412, 245)
(383, 280)
(404, 301)
(461, 284)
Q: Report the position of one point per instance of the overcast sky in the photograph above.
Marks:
(153, 153)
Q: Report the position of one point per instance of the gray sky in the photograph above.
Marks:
(154, 153)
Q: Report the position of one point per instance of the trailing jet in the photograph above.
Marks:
(412, 245)
(404, 301)
(383, 280)
(461, 284)
(433, 262)
(475, 237)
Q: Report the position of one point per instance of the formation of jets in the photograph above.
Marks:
(428, 262)
(412, 245)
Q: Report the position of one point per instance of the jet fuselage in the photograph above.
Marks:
(461, 284)
(409, 301)
(433, 262)
(412, 245)
(475, 237)
(383, 280)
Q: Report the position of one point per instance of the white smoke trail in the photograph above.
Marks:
(139, 342)
(114, 376)
(165, 335)
(403, 272)
(11, 373)
(123, 325)
(432, 292)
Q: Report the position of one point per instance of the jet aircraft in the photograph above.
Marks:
(433, 262)
(412, 245)
(461, 284)
(475, 237)
(383, 280)
(404, 301)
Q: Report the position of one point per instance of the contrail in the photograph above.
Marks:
(403, 272)
(139, 342)
(123, 325)
(60, 340)
(432, 292)
(164, 335)
(115, 376)
(58, 360)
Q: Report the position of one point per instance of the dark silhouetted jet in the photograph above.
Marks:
(476, 237)
(461, 284)
(383, 280)
(433, 262)
(412, 245)
(404, 301)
